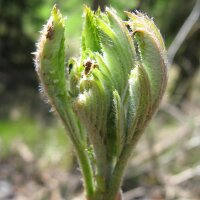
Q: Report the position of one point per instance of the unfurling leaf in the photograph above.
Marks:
(106, 97)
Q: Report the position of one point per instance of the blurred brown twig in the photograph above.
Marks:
(183, 32)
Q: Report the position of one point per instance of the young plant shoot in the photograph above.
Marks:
(106, 97)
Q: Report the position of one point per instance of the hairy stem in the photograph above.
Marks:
(83, 158)
(86, 171)
(118, 172)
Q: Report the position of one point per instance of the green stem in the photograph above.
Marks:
(101, 161)
(118, 172)
(70, 125)
(86, 169)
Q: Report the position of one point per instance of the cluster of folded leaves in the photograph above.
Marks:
(106, 97)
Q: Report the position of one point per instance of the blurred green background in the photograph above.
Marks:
(37, 159)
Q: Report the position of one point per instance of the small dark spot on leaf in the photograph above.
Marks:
(87, 65)
(70, 67)
(50, 32)
(95, 65)
(128, 27)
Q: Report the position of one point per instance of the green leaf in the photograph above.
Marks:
(117, 47)
(120, 122)
(139, 108)
(90, 37)
(50, 66)
(151, 52)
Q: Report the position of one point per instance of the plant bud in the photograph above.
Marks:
(106, 97)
